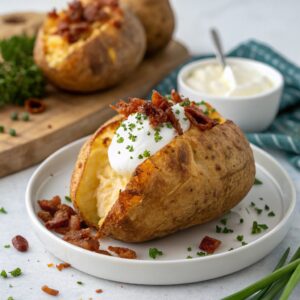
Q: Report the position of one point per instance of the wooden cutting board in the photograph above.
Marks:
(70, 116)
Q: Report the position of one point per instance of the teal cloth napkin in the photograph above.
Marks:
(284, 133)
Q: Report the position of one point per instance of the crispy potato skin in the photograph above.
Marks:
(90, 67)
(158, 20)
(196, 178)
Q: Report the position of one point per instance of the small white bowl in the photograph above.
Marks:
(252, 113)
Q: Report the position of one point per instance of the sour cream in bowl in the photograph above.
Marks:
(248, 92)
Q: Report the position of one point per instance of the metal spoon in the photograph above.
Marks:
(218, 47)
(228, 73)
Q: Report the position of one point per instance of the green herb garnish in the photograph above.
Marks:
(258, 210)
(146, 153)
(257, 182)
(1, 128)
(6, 246)
(189, 248)
(20, 78)
(257, 228)
(120, 140)
(67, 198)
(267, 207)
(3, 211)
(3, 274)
(132, 137)
(140, 156)
(16, 272)
(241, 220)
(14, 116)
(157, 136)
(240, 238)
(25, 117)
(223, 221)
(227, 230)
(12, 132)
(252, 204)
(154, 252)
(271, 214)
(244, 243)
(79, 282)
(218, 229)
(130, 148)
(189, 257)
(201, 253)
(10, 298)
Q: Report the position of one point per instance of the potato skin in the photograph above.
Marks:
(90, 67)
(158, 20)
(196, 178)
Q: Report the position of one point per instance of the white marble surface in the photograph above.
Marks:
(276, 22)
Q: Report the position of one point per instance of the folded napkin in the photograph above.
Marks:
(284, 133)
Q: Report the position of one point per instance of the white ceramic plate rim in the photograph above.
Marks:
(36, 222)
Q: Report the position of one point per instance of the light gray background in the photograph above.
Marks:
(274, 22)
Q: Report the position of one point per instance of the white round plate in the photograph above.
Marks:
(173, 267)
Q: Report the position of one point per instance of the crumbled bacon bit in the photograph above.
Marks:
(45, 216)
(20, 243)
(35, 106)
(50, 206)
(76, 20)
(74, 223)
(123, 252)
(209, 244)
(198, 118)
(53, 14)
(83, 238)
(104, 252)
(60, 219)
(62, 266)
(176, 97)
(99, 291)
(49, 291)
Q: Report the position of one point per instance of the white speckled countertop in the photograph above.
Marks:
(275, 22)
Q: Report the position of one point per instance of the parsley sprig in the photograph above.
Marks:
(20, 77)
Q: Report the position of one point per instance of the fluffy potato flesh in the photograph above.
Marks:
(196, 178)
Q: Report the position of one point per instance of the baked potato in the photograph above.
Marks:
(158, 20)
(200, 173)
(92, 45)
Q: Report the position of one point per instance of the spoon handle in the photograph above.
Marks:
(218, 47)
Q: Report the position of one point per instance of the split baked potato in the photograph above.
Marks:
(91, 45)
(158, 20)
(197, 177)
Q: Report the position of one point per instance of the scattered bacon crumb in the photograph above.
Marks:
(209, 244)
(99, 291)
(50, 206)
(44, 215)
(123, 252)
(198, 118)
(104, 252)
(20, 243)
(62, 266)
(49, 291)
(50, 265)
(35, 106)
(83, 238)
(49, 126)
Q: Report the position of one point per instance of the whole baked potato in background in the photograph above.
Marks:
(197, 177)
(89, 46)
(158, 20)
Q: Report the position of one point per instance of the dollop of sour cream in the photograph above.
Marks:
(235, 80)
(136, 140)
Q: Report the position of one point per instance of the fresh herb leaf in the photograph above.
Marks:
(67, 198)
(189, 248)
(3, 211)
(240, 238)
(20, 78)
(252, 204)
(241, 220)
(3, 274)
(223, 221)
(120, 140)
(227, 230)
(146, 153)
(1, 128)
(257, 228)
(16, 272)
(218, 229)
(267, 207)
(25, 117)
(14, 116)
(271, 214)
(6, 246)
(201, 253)
(12, 132)
(79, 282)
(257, 181)
(154, 252)
(258, 210)
(189, 257)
